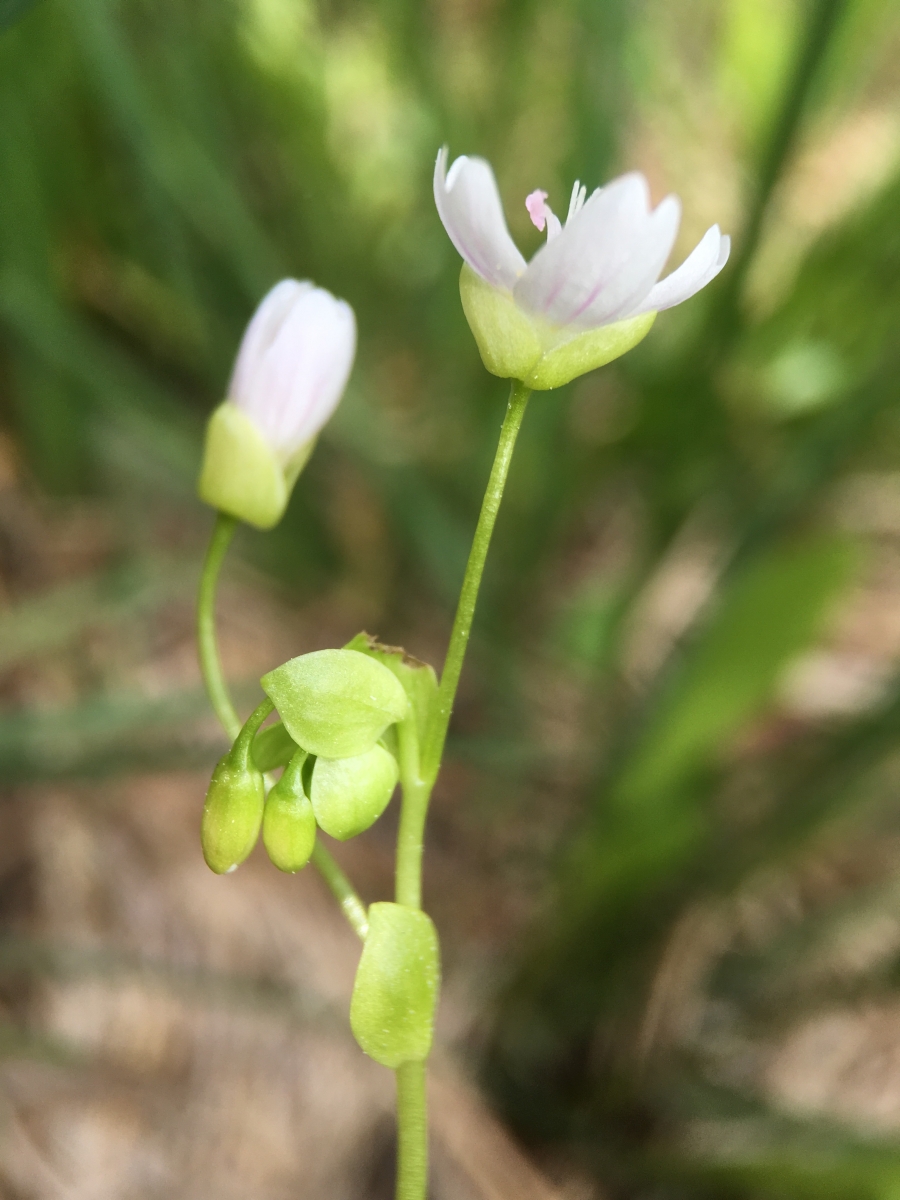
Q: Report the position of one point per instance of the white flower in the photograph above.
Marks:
(291, 371)
(600, 271)
(293, 364)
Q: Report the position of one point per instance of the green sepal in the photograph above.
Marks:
(241, 474)
(563, 361)
(350, 794)
(289, 823)
(233, 810)
(515, 345)
(508, 341)
(273, 747)
(396, 987)
(336, 703)
(417, 678)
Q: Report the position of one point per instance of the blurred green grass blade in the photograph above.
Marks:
(106, 736)
(12, 10)
(126, 395)
(770, 613)
(55, 619)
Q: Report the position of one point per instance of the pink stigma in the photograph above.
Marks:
(537, 209)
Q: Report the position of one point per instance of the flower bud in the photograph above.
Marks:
(515, 344)
(289, 824)
(290, 373)
(396, 986)
(350, 794)
(336, 703)
(232, 813)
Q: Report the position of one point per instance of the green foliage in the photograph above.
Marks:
(350, 794)
(336, 703)
(771, 611)
(418, 678)
(396, 986)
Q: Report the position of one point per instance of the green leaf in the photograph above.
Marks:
(417, 678)
(350, 794)
(336, 703)
(396, 987)
(273, 747)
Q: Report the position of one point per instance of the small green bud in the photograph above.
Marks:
(396, 987)
(232, 813)
(289, 824)
(350, 794)
(515, 345)
(336, 703)
(417, 678)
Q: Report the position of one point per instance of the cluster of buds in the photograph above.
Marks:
(336, 740)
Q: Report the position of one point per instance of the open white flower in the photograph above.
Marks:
(291, 371)
(590, 293)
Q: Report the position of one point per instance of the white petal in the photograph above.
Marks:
(605, 259)
(638, 274)
(302, 375)
(703, 264)
(470, 208)
(261, 332)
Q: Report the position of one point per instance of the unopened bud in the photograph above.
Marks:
(396, 987)
(289, 824)
(336, 703)
(233, 811)
(290, 373)
(350, 794)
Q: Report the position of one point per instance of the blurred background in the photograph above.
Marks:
(664, 854)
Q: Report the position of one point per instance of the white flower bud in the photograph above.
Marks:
(291, 371)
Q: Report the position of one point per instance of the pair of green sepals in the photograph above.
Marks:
(337, 710)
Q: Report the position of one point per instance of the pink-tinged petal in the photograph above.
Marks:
(470, 208)
(701, 266)
(601, 257)
(636, 276)
(261, 333)
(302, 375)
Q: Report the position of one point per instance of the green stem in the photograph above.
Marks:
(341, 889)
(207, 641)
(412, 1132)
(462, 625)
(417, 776)
(214, 679)
(414, 810)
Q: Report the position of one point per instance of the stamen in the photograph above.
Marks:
(576, 203)
(537, 208)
